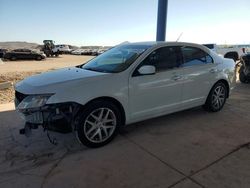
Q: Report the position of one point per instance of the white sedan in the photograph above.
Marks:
(128, 83)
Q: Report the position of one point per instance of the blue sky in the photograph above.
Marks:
(109, 22)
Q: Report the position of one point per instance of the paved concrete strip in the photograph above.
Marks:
(230, 172)
(191, 140)
(120, 164)
(186, 184)
(7, 107)
(168, 165)
(186, 149)
(34, 161)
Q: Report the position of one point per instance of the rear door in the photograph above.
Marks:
(199, 72)
(21, 53)
(160, 93)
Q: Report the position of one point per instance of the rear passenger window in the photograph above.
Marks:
(195, 56)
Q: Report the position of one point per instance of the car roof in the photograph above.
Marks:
(162, 43)
(169, 43)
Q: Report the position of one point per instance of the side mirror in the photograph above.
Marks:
(147, 70)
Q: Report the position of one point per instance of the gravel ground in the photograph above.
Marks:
(7, 95)
(44, 65)
(15, 71)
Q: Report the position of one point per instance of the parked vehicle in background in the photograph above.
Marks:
(94, 52)
(24, 54)
(63, 49)
(101, 51)
(228, 52)
(79, 52)
(2, 52)
(88, 52)
(49, 48)
(127, 84)
(85, 51)
(244, 72)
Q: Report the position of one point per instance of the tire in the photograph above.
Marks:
(38, 58)
(13, 58)
(216, 98)
(98, 124)
(242, 76)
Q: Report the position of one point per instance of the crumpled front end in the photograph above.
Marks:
(54, 117)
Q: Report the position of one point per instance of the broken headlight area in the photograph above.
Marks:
(52, 117)
(32, 103)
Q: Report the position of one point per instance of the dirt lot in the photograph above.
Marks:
(15, 71)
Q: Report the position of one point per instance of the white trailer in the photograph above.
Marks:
(232, 52)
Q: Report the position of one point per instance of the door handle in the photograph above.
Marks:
(176, 77)
(213, 70)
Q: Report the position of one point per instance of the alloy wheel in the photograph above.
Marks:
(100, 125)
(218, 97)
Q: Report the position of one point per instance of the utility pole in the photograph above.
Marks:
(162, 20)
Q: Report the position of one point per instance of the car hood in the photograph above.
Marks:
(53, 81)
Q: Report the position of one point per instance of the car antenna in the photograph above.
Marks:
(179, 37)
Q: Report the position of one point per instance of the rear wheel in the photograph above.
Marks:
(216, 98)
(98, 124)
(242, 76)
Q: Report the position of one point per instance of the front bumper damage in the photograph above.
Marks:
(51, 117)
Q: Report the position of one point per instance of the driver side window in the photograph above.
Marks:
(163, 59)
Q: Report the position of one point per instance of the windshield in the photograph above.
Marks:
(116, 59)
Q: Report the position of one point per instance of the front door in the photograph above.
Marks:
(160, 93)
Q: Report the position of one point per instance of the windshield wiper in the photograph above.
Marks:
(96, 70)
(91, 69)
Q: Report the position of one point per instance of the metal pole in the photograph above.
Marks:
(162, 20)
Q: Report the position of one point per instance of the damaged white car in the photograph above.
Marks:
(126, 84)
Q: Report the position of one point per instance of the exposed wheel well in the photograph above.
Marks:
(115, 102)
(232, 55)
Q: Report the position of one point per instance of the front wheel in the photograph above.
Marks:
(98, 124)
(38, 58)
(216, 98)
(13, 58)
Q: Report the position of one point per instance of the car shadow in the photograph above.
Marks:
(20, 152)
(38, 142)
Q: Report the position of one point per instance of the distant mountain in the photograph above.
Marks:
(15, 45)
